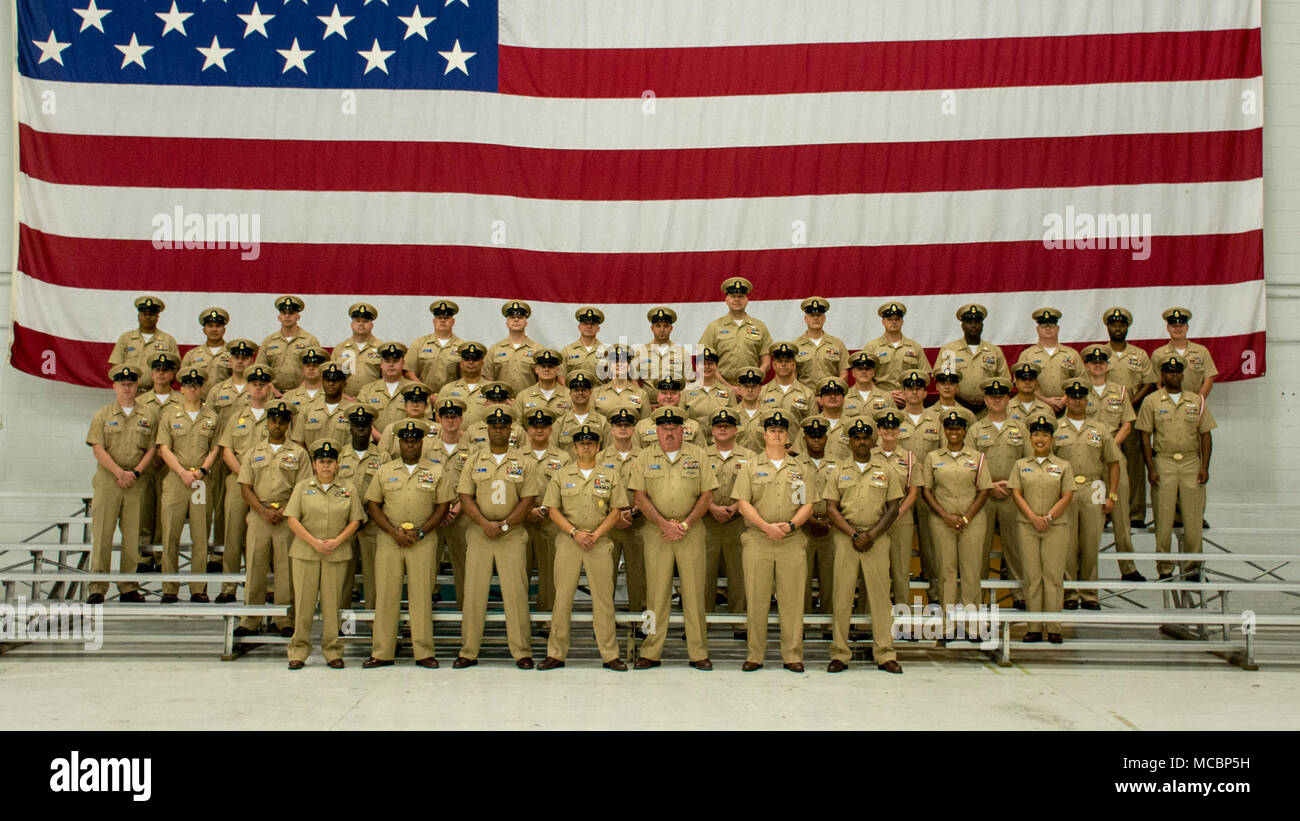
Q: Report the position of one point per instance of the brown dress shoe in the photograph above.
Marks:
(170, 598)
(286, 632)
(95, 598)
(461, 663)
(702, 664)
(1030, 638)
(134, 597)
(890, 666)
(1055, 638)
(525, 663)
(836, 666)
(372, 662)
(550, 663)
(199, 598)
(295, 664)
(644, 663)
(795, 667)
(750, 666)
(335, 664)
(428, 662)
(617, 664)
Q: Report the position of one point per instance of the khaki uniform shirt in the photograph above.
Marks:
(985, 363)
(726, 469)
(215, 366)
(126, 438)
(1064, 363)
(531, 398)
(284, 358)
(955, 481)
(855, 404)
(921, 436)
(361, 364)
(750, 433)
(409, 496)
(562, 431)
(1016, 412)
(386, 408)
(1111, 407)
(701, 403)
(1001, 448)
(131, 349)
(862, 493)
(798, 400)
(904, 465)
(1175, 428)
(545, 467)
(738, 346)
(358, 471)
(512, 365)
(815, 362)
(692, 432)
(390, 447)
(242, 432)
(315, 423)
(435, 451)
(324, 513)
(937, 412)
(433, 364)
(892, 361)
(223, 398)
(576, 357)
(654, 363)
(1042, 485)
(498, 488)
(190, 439)
(673, 487)
(471, 396)
(585, 502)
(1131, 368)
(605, 398)
(776, 493)
(477, 436)
(272, 475)
(1089, 449)
(1200, 365)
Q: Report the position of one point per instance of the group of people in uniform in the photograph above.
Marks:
(663, 460)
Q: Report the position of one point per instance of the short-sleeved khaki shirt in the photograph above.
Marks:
(324, 512)
(673, 486)
(585, 501)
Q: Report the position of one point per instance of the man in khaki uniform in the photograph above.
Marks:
(830, 403)
(136, 348)
(820, 354)
(921, 433)
(358, 464)
(452, 449)
(748, 409)
(407, 499)
(1025, 404)
(1176, 445)
(865, 398)
(187, 443)
(674, 483)
(359, 354)
(267, 475)
(545, 460)
(972, 357)
(668, 393)
(493, 394)
(1003, 442)
(312, 382)
(661, 358)
(910, 473)
(586, 353)
(468, 385)
(1108, 403)
(121, 436)
(244, 429)
(945, 384)
(1055, 362)
(724, 524)
(581, 413)
(232, 390)
(511, 359)
(773, 495)
(1200, 369)
(497, 488)
(706, 395)
(546, 393)
(620, 390)
(415, 405)
(321, 418)
(1130, 367)
(160, 398)
(212, 357)
(384, 396)
(818, 543)
(432, 359)
(620, 454)
(894, 353)
(584, 501)
(282, 350)
(862, 500)
(740, 340)
(784, 391)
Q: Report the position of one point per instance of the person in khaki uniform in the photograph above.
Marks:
(1090, 449)
(1043, 489)
(547, 392)
(1002, 442)
(323, 514)
(784, 391)
(1199, 370)
(415, 405)
(620, 454)
(468, 386)
(972, 357)
(511, 359)
(494, 394)
(187, 443)
(282, 350)
(322, 418)
(1055, 362)
(748, 410)
(830, 406)
(820, 354)
(1025, 404)
(921, 433)
(910, 473)
(1130, 367)
(584, 501)
(1176, 445)
(136, 348)
(661, 358)
(706, 395)
(267, 476)
(312, 383)
(773, 495)
(358, 464)
(407, 499)
(545, 459)
(668, 393)
(212, 357)
(452, 449)
(359, 354)
(1108, 403)
(895, 354)
(740, 340)
(724, 524)
(620, 390)
(819, 544)
(386, 395)
(862, 500)
(674, 484)
(433, 358)
(580, 386)
(957, 485)
(244, 429)
(121, 436)
(230, 392)
(586, 353)
(865, 398)
(497, 488)
(156, 401)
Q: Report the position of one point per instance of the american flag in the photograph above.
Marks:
(628, 154)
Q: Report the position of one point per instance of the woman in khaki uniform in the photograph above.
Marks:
(957, 485)
(1042, 486)
(323, 515)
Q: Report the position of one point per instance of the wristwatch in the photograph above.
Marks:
(1048, 517)
(136, 472)
(505, 528)
(419, 534)
(573, 531)
(1113, 497)
(791, 524)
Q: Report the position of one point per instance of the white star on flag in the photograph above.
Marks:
(174, 19)
(334, 23)
(449, 2)
(133, 52)
(376, 58)
(457, 58)
(294, 57)
(385, 2)
(51, 49)
(92, 16)
(415, 24)
(214, 55)
(255, 21)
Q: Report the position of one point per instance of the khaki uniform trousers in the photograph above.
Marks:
(1043, 562)
(217, 478)
(363, 554)
(570, 561)
(110, 505)
(724, 550)
(785, 564)
(1137, 474)
(820, 552)
(873, 566)
(930, 563)
(959, 551)
(541, 558)
(1087, 519)
(901, 533)
(178, 505)
(628, 543)
(1119, 519)
(509, 553)
(1178, 489)
(455, 539)
(314, 580)
(391, 563)
(236, 533)
(151, 481)
(268, 551)
(689, 554)
(1003, 512)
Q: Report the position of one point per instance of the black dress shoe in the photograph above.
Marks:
(1072, 604)
(550, 663)
(1019, 604)
(702, 664)
(286, 632)
(740, 635)
(215, 567)
(1164, 576)
(644, 663)
(1055, 638)
(836, 666)
(372, 662)
(170, 598)
(461, 663)
(616, 664)
(199, 598)
(295, 664)
(525, 664)
(1133, 577)
(225, 598)
(890, 666)
(428, 662)
(1032, 638)
(95, 598)
(335, 664)
(1091, 605)
(241, 631)
(134, 597)
(144, 567)
(794, 666)
(750, 666)
(1136, 524)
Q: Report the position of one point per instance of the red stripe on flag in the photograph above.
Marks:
(895, 66)
(788, 273)
(769, 171)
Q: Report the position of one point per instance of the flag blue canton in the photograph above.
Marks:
(397, 44)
